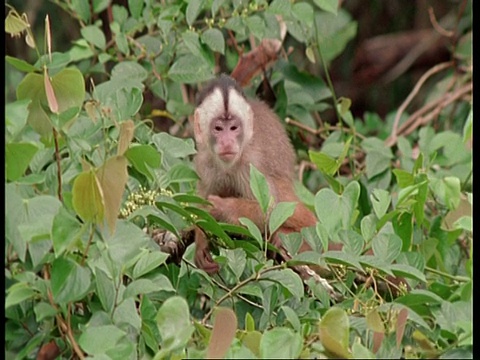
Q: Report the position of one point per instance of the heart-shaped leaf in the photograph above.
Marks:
(334, 211)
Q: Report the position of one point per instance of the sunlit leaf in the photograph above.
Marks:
(334, 332)
(112, 178)
(88, 199)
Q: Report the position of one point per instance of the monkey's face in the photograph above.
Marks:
(223, 122)
(226, 138)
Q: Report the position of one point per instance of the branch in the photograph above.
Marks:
(392, 139)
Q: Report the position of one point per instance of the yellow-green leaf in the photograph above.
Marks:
(374, 321)
(112, 177)
(15, 24)
(334, 332)
(127, 129)
(87, 197)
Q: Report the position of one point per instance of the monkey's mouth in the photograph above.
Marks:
(227, 156)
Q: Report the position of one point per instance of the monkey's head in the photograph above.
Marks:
(223, 120)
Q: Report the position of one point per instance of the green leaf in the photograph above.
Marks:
(18, 293)
(334, 332)
(324, 162)
(136, 7)
(43, 311)
(129, 70)
(256, 25)
(448, 191)
(236, 261)
(280, 213)
(70, 282)
(368, 226)
(66, 232)
(260, 188)
(387, 246)
(145, 286)
(464, 222)
(190, 70)
(94, 35)
(291, 344)
(303, 12)
(376, 163)
(20, 64)
(139, 286)
(28, 218)
(380, 201)
(288, 279)
(148, 262)
(105, 290)
(341, 257)
(353, 242)
(280, 7)
(344, 206)
(17, 159)
(334, 32)
(408, 271)
(468, 127)
(194, 8)
(69, 88)
(174, 325)
(125, 245)
(96, 340)
(327, 5)
(181, 172)
(254, 231)
(213, 38)
(404, 178)
(176, 147)
(292, 317)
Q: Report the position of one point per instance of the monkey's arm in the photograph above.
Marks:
(230, 209)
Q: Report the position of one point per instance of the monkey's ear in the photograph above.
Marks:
(197, 127)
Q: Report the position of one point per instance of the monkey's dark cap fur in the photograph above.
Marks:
(224, 83)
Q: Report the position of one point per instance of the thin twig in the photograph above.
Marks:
(443, 102)
(231, 292)
(436, 25)
(437, 68)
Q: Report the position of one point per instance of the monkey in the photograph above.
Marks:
(232, 132)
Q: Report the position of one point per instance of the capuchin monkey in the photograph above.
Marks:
(231, 133)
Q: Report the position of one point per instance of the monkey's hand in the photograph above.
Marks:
(203, 258)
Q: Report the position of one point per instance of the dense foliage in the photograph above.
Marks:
(87, 178)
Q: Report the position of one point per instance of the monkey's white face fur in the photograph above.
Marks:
(224, 127)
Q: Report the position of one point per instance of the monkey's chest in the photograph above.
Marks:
(232, 184)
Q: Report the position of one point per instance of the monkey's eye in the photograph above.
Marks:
(233, 128)
(218, 128)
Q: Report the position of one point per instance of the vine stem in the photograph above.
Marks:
(253, 277)
(449, 276)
